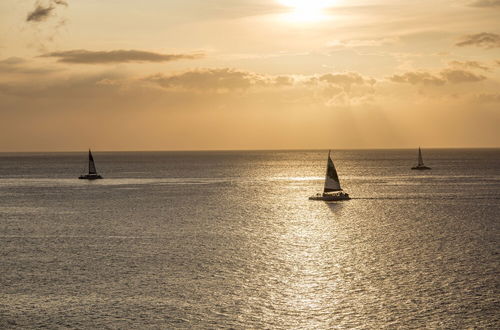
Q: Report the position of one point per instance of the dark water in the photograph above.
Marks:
(230, 240)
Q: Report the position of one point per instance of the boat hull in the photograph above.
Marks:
(90, 177)
(330, 197)
(420, 168)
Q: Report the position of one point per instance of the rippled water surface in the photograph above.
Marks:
(230, 240)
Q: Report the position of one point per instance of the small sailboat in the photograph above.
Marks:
(420, 165)
(332, 190)
(92, 175)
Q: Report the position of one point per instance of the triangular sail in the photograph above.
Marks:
(420, 159)
(332, 182)
(92, 169)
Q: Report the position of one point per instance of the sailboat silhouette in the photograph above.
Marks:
(92, 175)
(420, 164)
(332, 190)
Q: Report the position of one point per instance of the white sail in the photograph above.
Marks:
(332, 182)
(332, 191)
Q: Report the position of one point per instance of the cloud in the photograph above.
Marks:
(445, 76)
(283, 81)
(212, 79)
(469, 65)
(39, 14)
(82, 56)
(456, 76)
(42, 12)
(484, 39)
(418, 77)
(341, 89)
(485, 3)
(233, 79)
(196, 87)
(330, 89)
(345, 79)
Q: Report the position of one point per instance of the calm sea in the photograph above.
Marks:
(230, 240)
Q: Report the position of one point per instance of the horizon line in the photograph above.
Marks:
(240, 150)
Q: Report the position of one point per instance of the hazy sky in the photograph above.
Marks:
(248, 74)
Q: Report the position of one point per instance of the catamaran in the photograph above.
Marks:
(332, 190)
(420, 165)
(92, 175)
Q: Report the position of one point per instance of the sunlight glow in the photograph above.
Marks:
(307, 10)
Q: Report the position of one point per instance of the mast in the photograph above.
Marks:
(420, 159)
(92, 169)
(332, 182)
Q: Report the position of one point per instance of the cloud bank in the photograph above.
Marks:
(445, 76)
(484, 40)
(218, 79)
(185, 108)
(82, 56)
(209, 79)
(331, 89)
(227, 79)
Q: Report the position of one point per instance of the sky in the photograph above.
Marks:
(248, 74)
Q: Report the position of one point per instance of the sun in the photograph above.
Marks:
(307, 10)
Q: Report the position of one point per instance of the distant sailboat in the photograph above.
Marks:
(92, 175)
(420, 165)
(332, 190)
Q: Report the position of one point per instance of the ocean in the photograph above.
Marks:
(230, 240)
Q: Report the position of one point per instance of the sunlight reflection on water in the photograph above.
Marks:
(231, 241)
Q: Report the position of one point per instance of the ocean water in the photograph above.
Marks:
(230, 240)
